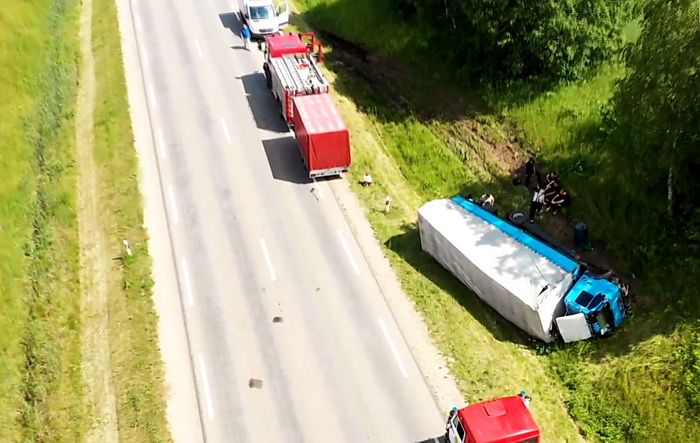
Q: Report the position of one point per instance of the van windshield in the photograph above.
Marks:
(261, 12)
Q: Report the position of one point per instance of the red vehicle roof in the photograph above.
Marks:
(278, 45)
(504, 420)
(319, 113)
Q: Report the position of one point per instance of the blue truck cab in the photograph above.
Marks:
(600, 300)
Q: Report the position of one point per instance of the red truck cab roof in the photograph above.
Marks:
(279, 45)
(504, 420)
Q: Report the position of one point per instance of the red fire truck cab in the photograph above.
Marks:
(504, 420)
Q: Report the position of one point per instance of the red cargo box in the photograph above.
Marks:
(323, 137)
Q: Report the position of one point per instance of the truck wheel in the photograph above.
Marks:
(268, 77)
(517, 218)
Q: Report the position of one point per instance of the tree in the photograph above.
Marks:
(516, 39)
(657, 107)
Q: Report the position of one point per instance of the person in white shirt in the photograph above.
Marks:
(536, 202)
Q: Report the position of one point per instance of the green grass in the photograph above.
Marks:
(640, 385)
(40, 383)
(137, 369)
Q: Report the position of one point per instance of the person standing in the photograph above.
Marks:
(245, 36)
(530, 168)
(536, 202)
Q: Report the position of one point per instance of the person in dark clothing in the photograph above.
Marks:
(536, 202)
(530, 169)
(561, 200)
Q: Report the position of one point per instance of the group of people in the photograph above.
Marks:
(551, 196)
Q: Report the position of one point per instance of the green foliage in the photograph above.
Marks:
(521, 39)
(657, 106)
(689, 356)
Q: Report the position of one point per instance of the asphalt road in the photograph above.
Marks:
(251, 241)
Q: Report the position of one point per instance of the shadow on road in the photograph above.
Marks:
(265, 109)
(231, 21)
(285, 160)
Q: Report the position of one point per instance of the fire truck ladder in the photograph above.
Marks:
(294, 65)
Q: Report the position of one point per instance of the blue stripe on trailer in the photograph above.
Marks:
(519, 235)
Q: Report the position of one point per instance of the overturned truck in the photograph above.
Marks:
(536, 287)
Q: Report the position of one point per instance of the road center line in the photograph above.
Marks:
(152, 95)
(267, 259)
(347, 251)
(173, 203)
(228, 136)
(317, 186)
(393, 348)
(186, 282)
(205, 387)
(161, 145)
(199, 50)
(144, 54)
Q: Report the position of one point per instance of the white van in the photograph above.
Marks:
(262, 17)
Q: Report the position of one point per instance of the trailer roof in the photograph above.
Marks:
(319, 113)
(524, 266)
(499, 421)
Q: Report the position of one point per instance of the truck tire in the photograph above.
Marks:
(518, 218)
(268, 76)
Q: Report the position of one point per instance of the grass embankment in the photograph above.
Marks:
(628, 388)
(40, 379)
(136, 367)
(41, 390)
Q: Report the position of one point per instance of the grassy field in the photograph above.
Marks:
(136, 367)
(628, 388)
(42, 395)
(40, 380)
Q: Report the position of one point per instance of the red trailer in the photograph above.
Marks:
(323, 137)
(504, 420)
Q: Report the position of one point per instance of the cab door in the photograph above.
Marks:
(456, 433)
(283, 15)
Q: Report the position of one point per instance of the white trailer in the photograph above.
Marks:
(522, 285)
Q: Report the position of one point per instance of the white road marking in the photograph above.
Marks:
(186, 282)
(393, 348)
(228, 136)
(347, 251)
(199, 50)
(173, 203)
(161, 145)
(144, 55)
(317, 186)
(205, 387)
(138, 23)
(267, 259)
(152, 95)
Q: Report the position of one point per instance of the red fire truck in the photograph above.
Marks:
(293, 75)
(504, 420)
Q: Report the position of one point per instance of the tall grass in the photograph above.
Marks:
(641, 385)
(41, 385)
(137, 370)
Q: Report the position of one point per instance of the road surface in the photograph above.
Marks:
(273, 325)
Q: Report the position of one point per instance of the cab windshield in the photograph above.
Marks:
(261, 12)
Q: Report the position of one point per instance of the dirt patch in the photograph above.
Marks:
(95, 262)
(464, 123)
